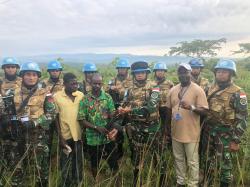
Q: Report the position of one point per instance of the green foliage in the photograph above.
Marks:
(197, 48)
(244, 48)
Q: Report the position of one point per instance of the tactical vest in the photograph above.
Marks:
(122, 86)
(35, 106)
(139, 96)
(165, 86)
(220, 106)
(50, 84)
(201, 81)
(7, 85)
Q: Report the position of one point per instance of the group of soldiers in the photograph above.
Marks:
(138, 109)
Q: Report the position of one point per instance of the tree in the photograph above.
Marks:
(197, 48)
(244, 48)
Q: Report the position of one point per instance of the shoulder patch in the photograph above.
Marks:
(243, 99)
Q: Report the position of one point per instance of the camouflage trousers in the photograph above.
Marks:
(216, 155)
(25, 158)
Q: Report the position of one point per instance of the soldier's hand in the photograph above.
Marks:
(234, 147)
(102, 130)
(112, 134)
(124, 110)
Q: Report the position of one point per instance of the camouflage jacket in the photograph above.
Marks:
(228, 107)
(201, 81)
(165, 86)
(144, 102)
(40, 108)
(84, 87)
(53, 87)
(7, 85)
(121, 87)
(97, 111)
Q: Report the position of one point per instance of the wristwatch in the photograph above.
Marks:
(193, 107)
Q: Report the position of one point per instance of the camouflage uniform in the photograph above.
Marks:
(165, 85)
(84, 87)
(7, 85)
(144, 126)
(30, 147)
(201, 81)
(122, 86)
(98, 111)
(226, 122)
(52, 86)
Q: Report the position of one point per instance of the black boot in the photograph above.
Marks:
(224, 184)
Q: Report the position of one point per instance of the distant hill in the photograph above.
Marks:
(101, 58)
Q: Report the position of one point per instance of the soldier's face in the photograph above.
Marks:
(122, 71)
(71, 85)
(88, 76)
(222, 75)
(160, 74)
(196, 71)
(54, 73)
(10, 69)
(140, 76)
(30, 78)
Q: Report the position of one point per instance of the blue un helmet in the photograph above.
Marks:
(89, 67)
(10, 61)
(140, 66)
(30, 66)
(54, 65)
(226, 64)
(123, 63)
(196, 63)
(160, 66)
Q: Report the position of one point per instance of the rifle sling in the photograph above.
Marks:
(26, 100)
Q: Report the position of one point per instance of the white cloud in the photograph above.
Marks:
(45, 26)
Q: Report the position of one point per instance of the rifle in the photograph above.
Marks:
(114, 94)
(11, 114)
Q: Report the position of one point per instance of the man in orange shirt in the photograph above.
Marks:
(186, 102)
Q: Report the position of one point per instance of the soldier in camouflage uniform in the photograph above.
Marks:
(27, 153)
(197, 65)
(11, 81)
(7, 86)
(95, 112)
(165, 85)
(117, 88)
(143, 110)
(88, 70)
(53, 84)
(225, 123)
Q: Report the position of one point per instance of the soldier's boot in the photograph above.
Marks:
(224, 184)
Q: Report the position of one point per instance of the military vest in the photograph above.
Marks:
(139, 95)
(50, 84)
(7, 85)
(35, 107)
(220, 105)
(201, 81)
(165, 86)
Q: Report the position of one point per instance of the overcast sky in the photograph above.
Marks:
(29, 27)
